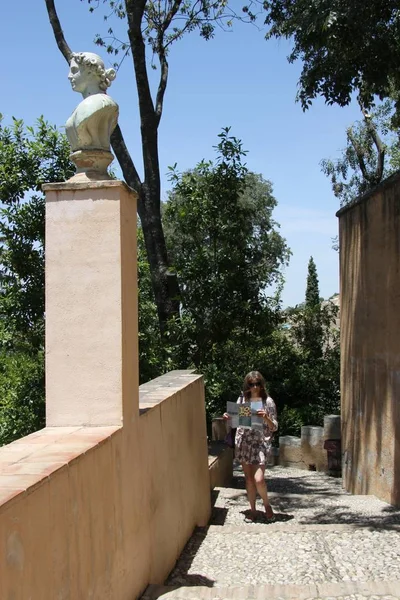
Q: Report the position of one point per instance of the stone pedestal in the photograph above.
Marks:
(91, 304)
(290, 454)
(219, 429)
(332, 427)
(273, 458)
(91, 165)
(332, 445)
(312, 447)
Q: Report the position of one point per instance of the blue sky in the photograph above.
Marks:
(237, 79)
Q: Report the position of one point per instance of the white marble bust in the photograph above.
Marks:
(95, 118)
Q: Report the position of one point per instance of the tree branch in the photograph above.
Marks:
(148, 120)
(379, 147)
(168, 19)
(162, 86)
(58, 32)
(161, 52)
(126, 163)
(377, 141)
(359, 154)
(135, 12)
(163, 59)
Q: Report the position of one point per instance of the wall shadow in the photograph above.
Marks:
(180, 576)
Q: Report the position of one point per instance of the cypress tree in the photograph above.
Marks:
(312, 313)
(312, 290)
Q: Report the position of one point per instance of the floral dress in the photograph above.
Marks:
(252, 446)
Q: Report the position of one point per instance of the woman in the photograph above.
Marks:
(252, 446)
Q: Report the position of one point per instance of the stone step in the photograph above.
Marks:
(368, 590)
(286, 527)
(225, 557)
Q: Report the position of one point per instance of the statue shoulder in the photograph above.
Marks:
(92, 104)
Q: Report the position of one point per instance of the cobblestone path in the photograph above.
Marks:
(325, 544)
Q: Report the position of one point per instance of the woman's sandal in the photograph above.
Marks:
(251, 517)
(270, 513)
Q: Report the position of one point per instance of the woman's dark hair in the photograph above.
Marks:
(250, 378)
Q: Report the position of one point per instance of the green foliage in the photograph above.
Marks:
(22, 407)
(310, 328)
(312, 289)
(163, 23)
(312, 387)
(227, 251)
(291, 421)
(372, 153)
(29, 157)
(150, 357)
(158, 354)
(224, 246)
(344, 46)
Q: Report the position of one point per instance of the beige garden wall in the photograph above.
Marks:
(101, 512)
(370, 342)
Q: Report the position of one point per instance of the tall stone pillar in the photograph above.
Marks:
(91, 304)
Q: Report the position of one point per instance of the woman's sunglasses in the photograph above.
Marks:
(255, 384)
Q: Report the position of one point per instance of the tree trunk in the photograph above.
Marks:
(164, 282)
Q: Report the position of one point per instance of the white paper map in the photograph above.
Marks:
(245, 414)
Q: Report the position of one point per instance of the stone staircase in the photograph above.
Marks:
(344, 591)
(325, 544)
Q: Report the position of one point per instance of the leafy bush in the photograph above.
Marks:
(22, 406)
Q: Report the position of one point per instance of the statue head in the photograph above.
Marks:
(88, 74)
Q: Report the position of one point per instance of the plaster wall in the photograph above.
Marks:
(369, 234)
(101, 512)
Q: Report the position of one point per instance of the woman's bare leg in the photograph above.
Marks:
(261, 485)
(248, 471)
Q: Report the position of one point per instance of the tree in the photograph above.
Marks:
(345, 47)
(29, 157)
(224, 243)
(312, 289)
(372, 154)
(157, 25)
(22, 406)
(306, 380)
(158, 353)
(227, 251)
(311, 330)
(306, 320)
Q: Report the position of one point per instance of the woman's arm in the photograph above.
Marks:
(271, 415)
